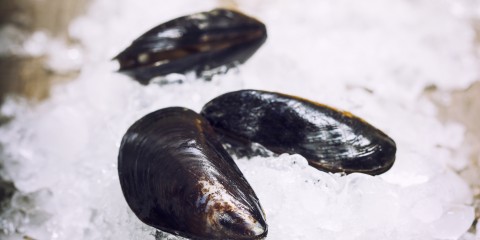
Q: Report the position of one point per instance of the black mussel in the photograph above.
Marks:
(329, 139)
(198, 42)
(177, 177)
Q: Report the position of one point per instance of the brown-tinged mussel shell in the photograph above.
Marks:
(329, 139)
(178, 178)
(198, 42)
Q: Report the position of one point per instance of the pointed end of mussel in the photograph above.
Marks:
(124, 67)
(243, 226)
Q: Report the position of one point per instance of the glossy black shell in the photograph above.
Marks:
(329, 139)
(198, 42)
(177, 178)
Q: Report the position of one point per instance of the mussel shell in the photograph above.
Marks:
(198, 42)
(178, 178)
(329, 139)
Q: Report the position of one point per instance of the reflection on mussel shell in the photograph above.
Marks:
(198, 42)
(329, 139)
(178, 178)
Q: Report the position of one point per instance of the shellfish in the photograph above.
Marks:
(199, 42)
(329, 139)
(178, 178)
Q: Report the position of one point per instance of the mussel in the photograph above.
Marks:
(177, 177)
(199, 42)
(331, 140)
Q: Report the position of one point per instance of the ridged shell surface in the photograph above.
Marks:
(177, 178)
(329, 139)
(200, 41)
